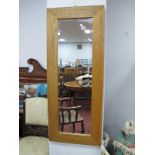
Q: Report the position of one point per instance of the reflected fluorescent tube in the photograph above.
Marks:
(83, 27)
(59, 33)
(87, 31)
(89, 39)
(62, 40)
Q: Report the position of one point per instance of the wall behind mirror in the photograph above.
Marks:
(74, 74)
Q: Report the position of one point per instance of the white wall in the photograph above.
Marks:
(72, 149)
(68, 3)
(119, 65)
(69, 51)
(32, 32)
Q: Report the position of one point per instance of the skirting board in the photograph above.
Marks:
(56, 148)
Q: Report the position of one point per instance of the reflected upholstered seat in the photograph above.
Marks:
(70, 115)
(36, 113)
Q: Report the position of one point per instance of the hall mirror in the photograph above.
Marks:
(75, 74)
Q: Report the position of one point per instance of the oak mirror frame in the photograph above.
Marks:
(53, 15)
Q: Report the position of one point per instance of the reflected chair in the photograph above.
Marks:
(64, 95)
(66, 100)
(70, 115)
(35, 114)
(69, 74)
(62, 91)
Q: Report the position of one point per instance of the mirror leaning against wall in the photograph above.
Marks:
(75, 74)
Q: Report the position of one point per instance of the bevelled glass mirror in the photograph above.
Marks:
(75, 74)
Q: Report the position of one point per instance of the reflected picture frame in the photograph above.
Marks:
(98, 15)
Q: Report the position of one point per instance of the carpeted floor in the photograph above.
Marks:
(85, 112)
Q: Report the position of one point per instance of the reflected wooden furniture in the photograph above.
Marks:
(36, 113)
(69, 74)
(75, 86)
(79, 92)
(70, 115)
(69, 71)
(66, 100)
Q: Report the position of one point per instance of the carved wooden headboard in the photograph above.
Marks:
(37, 75)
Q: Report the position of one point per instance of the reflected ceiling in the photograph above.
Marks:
(75, 30)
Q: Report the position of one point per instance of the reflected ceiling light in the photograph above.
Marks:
(83, 27)
(59, 33)
(90, 21)
(87, 31)
(62, 40)
(89, 39)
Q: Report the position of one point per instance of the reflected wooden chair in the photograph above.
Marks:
(64, 95)
(36, 113)
(69, 74)
(62, 91)
(70, 115)
(65, 100)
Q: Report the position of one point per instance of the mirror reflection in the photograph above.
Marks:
(75, 74)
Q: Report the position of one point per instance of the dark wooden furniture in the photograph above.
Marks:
(37, 75)
(70, 115)
(21, 114)
(21, 117)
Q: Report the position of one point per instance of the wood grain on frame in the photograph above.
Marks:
(97, 13)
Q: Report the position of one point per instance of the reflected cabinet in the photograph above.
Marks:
(75, 74)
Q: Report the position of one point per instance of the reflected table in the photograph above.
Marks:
(77, 89)
(75, 86)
